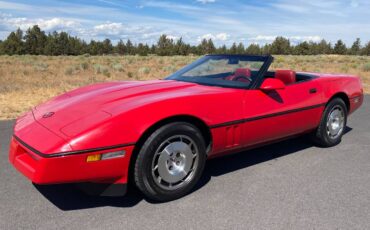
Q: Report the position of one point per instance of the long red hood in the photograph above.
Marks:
(94, 100)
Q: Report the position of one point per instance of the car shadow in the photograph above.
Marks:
(68, 197)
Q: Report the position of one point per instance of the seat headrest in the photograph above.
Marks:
(243, 72)
(286, 76)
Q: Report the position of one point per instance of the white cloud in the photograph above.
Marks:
(173, 37)
(206, 1)
(216, 37)
(222, 36)
(304, 38)
(46, 24)
(109, 28)
(263, 39)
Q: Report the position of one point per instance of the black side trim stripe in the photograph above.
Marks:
(265, 116)
(70, 152)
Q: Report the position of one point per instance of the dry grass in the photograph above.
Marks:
(26, 80)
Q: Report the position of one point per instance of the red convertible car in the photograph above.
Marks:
(158, 134)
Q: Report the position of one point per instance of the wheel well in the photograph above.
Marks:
(344, 97)
(204, 129)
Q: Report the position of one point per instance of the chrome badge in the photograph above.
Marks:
(48, 114)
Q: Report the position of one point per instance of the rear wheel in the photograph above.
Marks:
(332, 125)
(170, 161)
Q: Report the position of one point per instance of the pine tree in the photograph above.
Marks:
(253, 49)
(142, 49)
(340, 47)
(302, 48)
(165, 46)
(202, 47)
(152, 49)
(14, 44)
(266, 49)
(181, 48)
(324, 47)
(356, 47)
(1, 47)
(107, 46)
(240, 48)
(35, 40)
(51, 47)
(129, 47)
(120, 48)
(233, 49)
(280, 45)
(222, 50)
(366, 49)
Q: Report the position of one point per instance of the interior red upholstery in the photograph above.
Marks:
(240, 72)
(286, 76)
(243, 72)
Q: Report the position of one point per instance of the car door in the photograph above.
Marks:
(275, 114)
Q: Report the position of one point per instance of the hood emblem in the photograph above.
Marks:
(48, 114)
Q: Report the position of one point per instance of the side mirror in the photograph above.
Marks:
(272, 84)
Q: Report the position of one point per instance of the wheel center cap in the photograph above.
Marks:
(175, 162)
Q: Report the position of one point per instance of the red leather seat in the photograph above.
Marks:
(246, 72)
(286, 76)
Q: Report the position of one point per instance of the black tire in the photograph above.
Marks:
(144, 178)
(320, 136)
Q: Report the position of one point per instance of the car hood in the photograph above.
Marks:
(93, 104)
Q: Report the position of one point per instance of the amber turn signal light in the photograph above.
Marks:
(95, 157)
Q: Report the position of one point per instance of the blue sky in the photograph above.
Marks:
(225, 21)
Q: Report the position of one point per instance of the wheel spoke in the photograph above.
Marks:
(175, 163)
(155, 168)
(335, 122)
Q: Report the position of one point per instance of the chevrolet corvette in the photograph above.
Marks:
(158, 134)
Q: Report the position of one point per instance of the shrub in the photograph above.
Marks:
(84, 65)
(130, 75)
(68, 71)
(344, 69)
(366, 67)
(97, 68)
(144, 70)
(105, 71)
(41, 67)
(117, 67)
(170, 68)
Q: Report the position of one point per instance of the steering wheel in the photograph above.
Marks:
(242, 77)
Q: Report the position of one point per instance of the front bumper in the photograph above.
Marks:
(70, 168)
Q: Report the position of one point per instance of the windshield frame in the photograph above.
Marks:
(267, 60)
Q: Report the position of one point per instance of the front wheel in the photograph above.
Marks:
(332, 125)
(170, 162)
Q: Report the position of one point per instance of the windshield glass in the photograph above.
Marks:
(239, 71)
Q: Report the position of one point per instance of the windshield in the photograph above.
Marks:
(237, 71)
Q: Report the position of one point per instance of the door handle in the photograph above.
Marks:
(313, 90)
